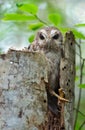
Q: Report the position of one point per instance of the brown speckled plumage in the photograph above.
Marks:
(49, 40)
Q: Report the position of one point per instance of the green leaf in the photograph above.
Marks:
(35, 26)
(19, 17)
(80, 25)
(31, 38)
(30, 8)
(19, 4)
(64, 30)
(78, 34)
(55, 18)
(82, 85)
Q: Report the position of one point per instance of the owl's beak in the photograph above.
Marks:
(48, 41)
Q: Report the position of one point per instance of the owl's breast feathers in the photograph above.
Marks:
(53, 51)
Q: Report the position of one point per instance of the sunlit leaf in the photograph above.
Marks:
(30, 8)
(31, 38)
(19, 4)
(80, 25)
(19, 17)
(78, 34)
(64, 30)
(82, 85)
(55, 18)
(35, 26)
(78, 125)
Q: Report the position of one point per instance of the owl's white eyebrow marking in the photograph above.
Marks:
(43, 31)
(52, 32)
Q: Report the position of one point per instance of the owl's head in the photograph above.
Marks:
(49, 38)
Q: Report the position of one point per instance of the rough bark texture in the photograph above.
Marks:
(23, 98)
(65, 117)
(22, 91)
(67, 79)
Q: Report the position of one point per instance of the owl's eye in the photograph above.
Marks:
(41, 37)
(56, 36)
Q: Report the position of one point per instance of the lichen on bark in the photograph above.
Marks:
(22, 90)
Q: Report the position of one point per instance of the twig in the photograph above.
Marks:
(79, 56)
(79, 112)
(78, 53)
(41, 20)
(82, 125)
(81, 77)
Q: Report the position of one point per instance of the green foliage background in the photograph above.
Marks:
(30, 15)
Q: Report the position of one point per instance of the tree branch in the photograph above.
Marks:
(41, 20)
(82, 125)
(79, 112)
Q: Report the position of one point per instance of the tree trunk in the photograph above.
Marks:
(23, 98)
(67, 79)
(23, 101)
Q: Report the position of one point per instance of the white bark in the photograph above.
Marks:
(22, 90)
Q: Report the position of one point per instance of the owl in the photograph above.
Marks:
(49, 40)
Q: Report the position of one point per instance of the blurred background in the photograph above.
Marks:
(17, 34)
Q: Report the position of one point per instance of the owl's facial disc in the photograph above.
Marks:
(49, 38)
(55, 37)
(54, 34)
(41, 36)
